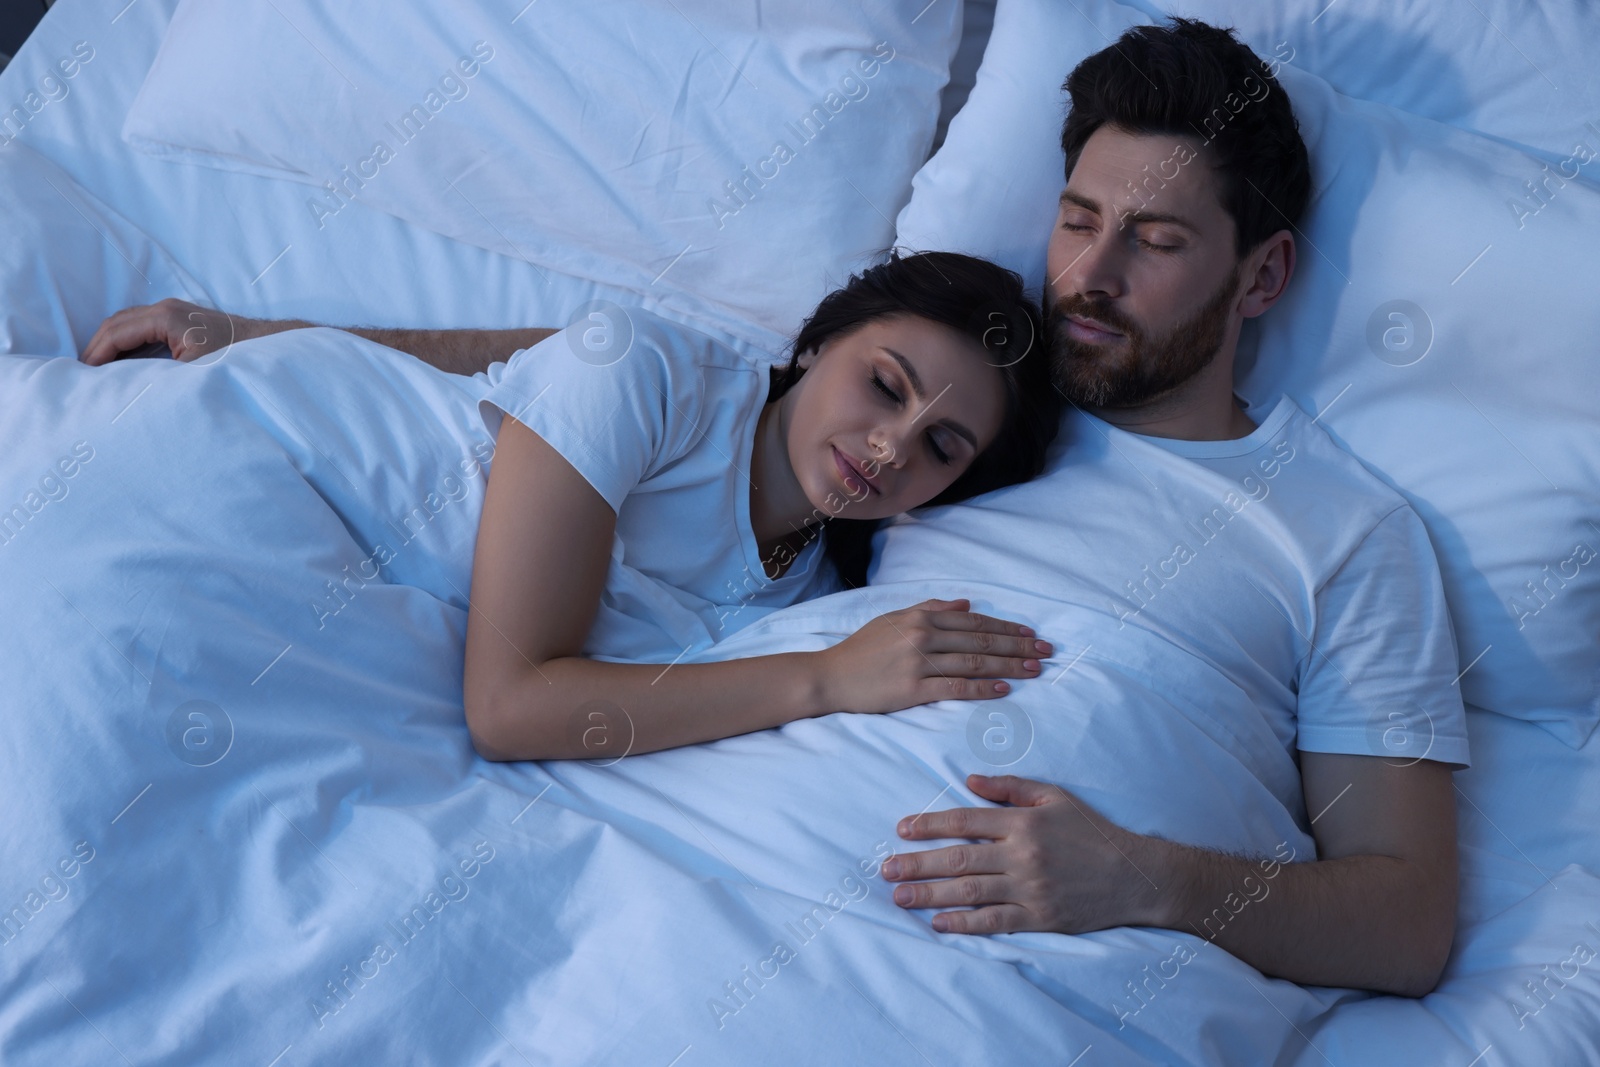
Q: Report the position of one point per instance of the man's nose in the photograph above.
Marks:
(1097, 270)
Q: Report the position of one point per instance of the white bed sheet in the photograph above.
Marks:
(1528, 799)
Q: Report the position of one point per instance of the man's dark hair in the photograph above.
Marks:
(1192, 79)
(975, 298)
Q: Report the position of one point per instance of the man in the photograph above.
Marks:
(1177, 224)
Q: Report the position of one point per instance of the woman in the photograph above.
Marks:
(640, 504)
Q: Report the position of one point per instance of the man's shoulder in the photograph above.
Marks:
(1302, 487)
(1335, 472)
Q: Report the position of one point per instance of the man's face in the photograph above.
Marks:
(1143, 281)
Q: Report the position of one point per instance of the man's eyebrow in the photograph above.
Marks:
(1069, 197)
(916, 387)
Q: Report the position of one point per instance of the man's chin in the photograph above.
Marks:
(1089, 373)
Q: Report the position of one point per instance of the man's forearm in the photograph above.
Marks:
(1368, 922)
(455, 351)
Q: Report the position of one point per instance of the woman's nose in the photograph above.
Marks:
(886, 452)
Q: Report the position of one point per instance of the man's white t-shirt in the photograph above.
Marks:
(665, 434)
(1276, 559)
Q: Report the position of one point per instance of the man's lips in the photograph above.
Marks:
(1086, 329)
(849, 468)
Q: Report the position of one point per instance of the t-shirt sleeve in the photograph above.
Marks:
(1381, 676)
(615, 422)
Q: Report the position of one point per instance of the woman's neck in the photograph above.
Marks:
(779, 508)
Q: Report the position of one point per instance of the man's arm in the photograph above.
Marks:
(191, 331)
(1376, 911)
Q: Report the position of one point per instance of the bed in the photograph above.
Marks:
(244, 822)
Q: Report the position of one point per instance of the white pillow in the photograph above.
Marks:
(1013, 115)
(1478, 403)
(1514, 70)
(68, 261)
(749, 154)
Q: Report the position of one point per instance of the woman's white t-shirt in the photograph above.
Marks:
(664, 432)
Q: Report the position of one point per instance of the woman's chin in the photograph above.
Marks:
(840, 503)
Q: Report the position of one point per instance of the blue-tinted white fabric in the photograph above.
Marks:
(1303, 588)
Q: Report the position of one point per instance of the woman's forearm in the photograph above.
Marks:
(576, 708)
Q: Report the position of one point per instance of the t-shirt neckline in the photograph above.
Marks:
(1264, 433)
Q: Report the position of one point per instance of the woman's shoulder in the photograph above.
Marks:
(688, 343)
(612, 366)
(620, 351)
(697, 369)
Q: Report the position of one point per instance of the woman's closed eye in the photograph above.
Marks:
(884, 388)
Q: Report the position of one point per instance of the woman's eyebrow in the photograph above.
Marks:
(916, 387)
(910, 371)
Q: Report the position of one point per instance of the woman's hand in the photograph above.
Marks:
(188, 330)
(935, 650)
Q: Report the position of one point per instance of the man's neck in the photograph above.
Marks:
(1201, 409)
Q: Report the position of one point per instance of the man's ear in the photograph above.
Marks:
(1267, 271)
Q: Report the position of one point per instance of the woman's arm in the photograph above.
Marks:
(190, 331)
(544, 546)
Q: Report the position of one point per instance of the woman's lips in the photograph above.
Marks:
(850, 472)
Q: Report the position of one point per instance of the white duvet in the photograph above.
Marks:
(245, 820)
(276, 797)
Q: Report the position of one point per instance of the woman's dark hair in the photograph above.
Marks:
(1191, 79)
(979, 300)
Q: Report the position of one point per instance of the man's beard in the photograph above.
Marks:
(1135, 369)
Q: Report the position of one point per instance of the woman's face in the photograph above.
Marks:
(889, 414)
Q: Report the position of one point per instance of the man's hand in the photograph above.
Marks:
(190, 331)
(1375, 910)
(1054, 864)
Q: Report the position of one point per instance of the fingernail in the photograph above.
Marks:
(891, 868)
(1027, 631)
(941, 924)
(1030, 664)
(904, 828)
(1044, 647)
(1002, 687)
(903, 894)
